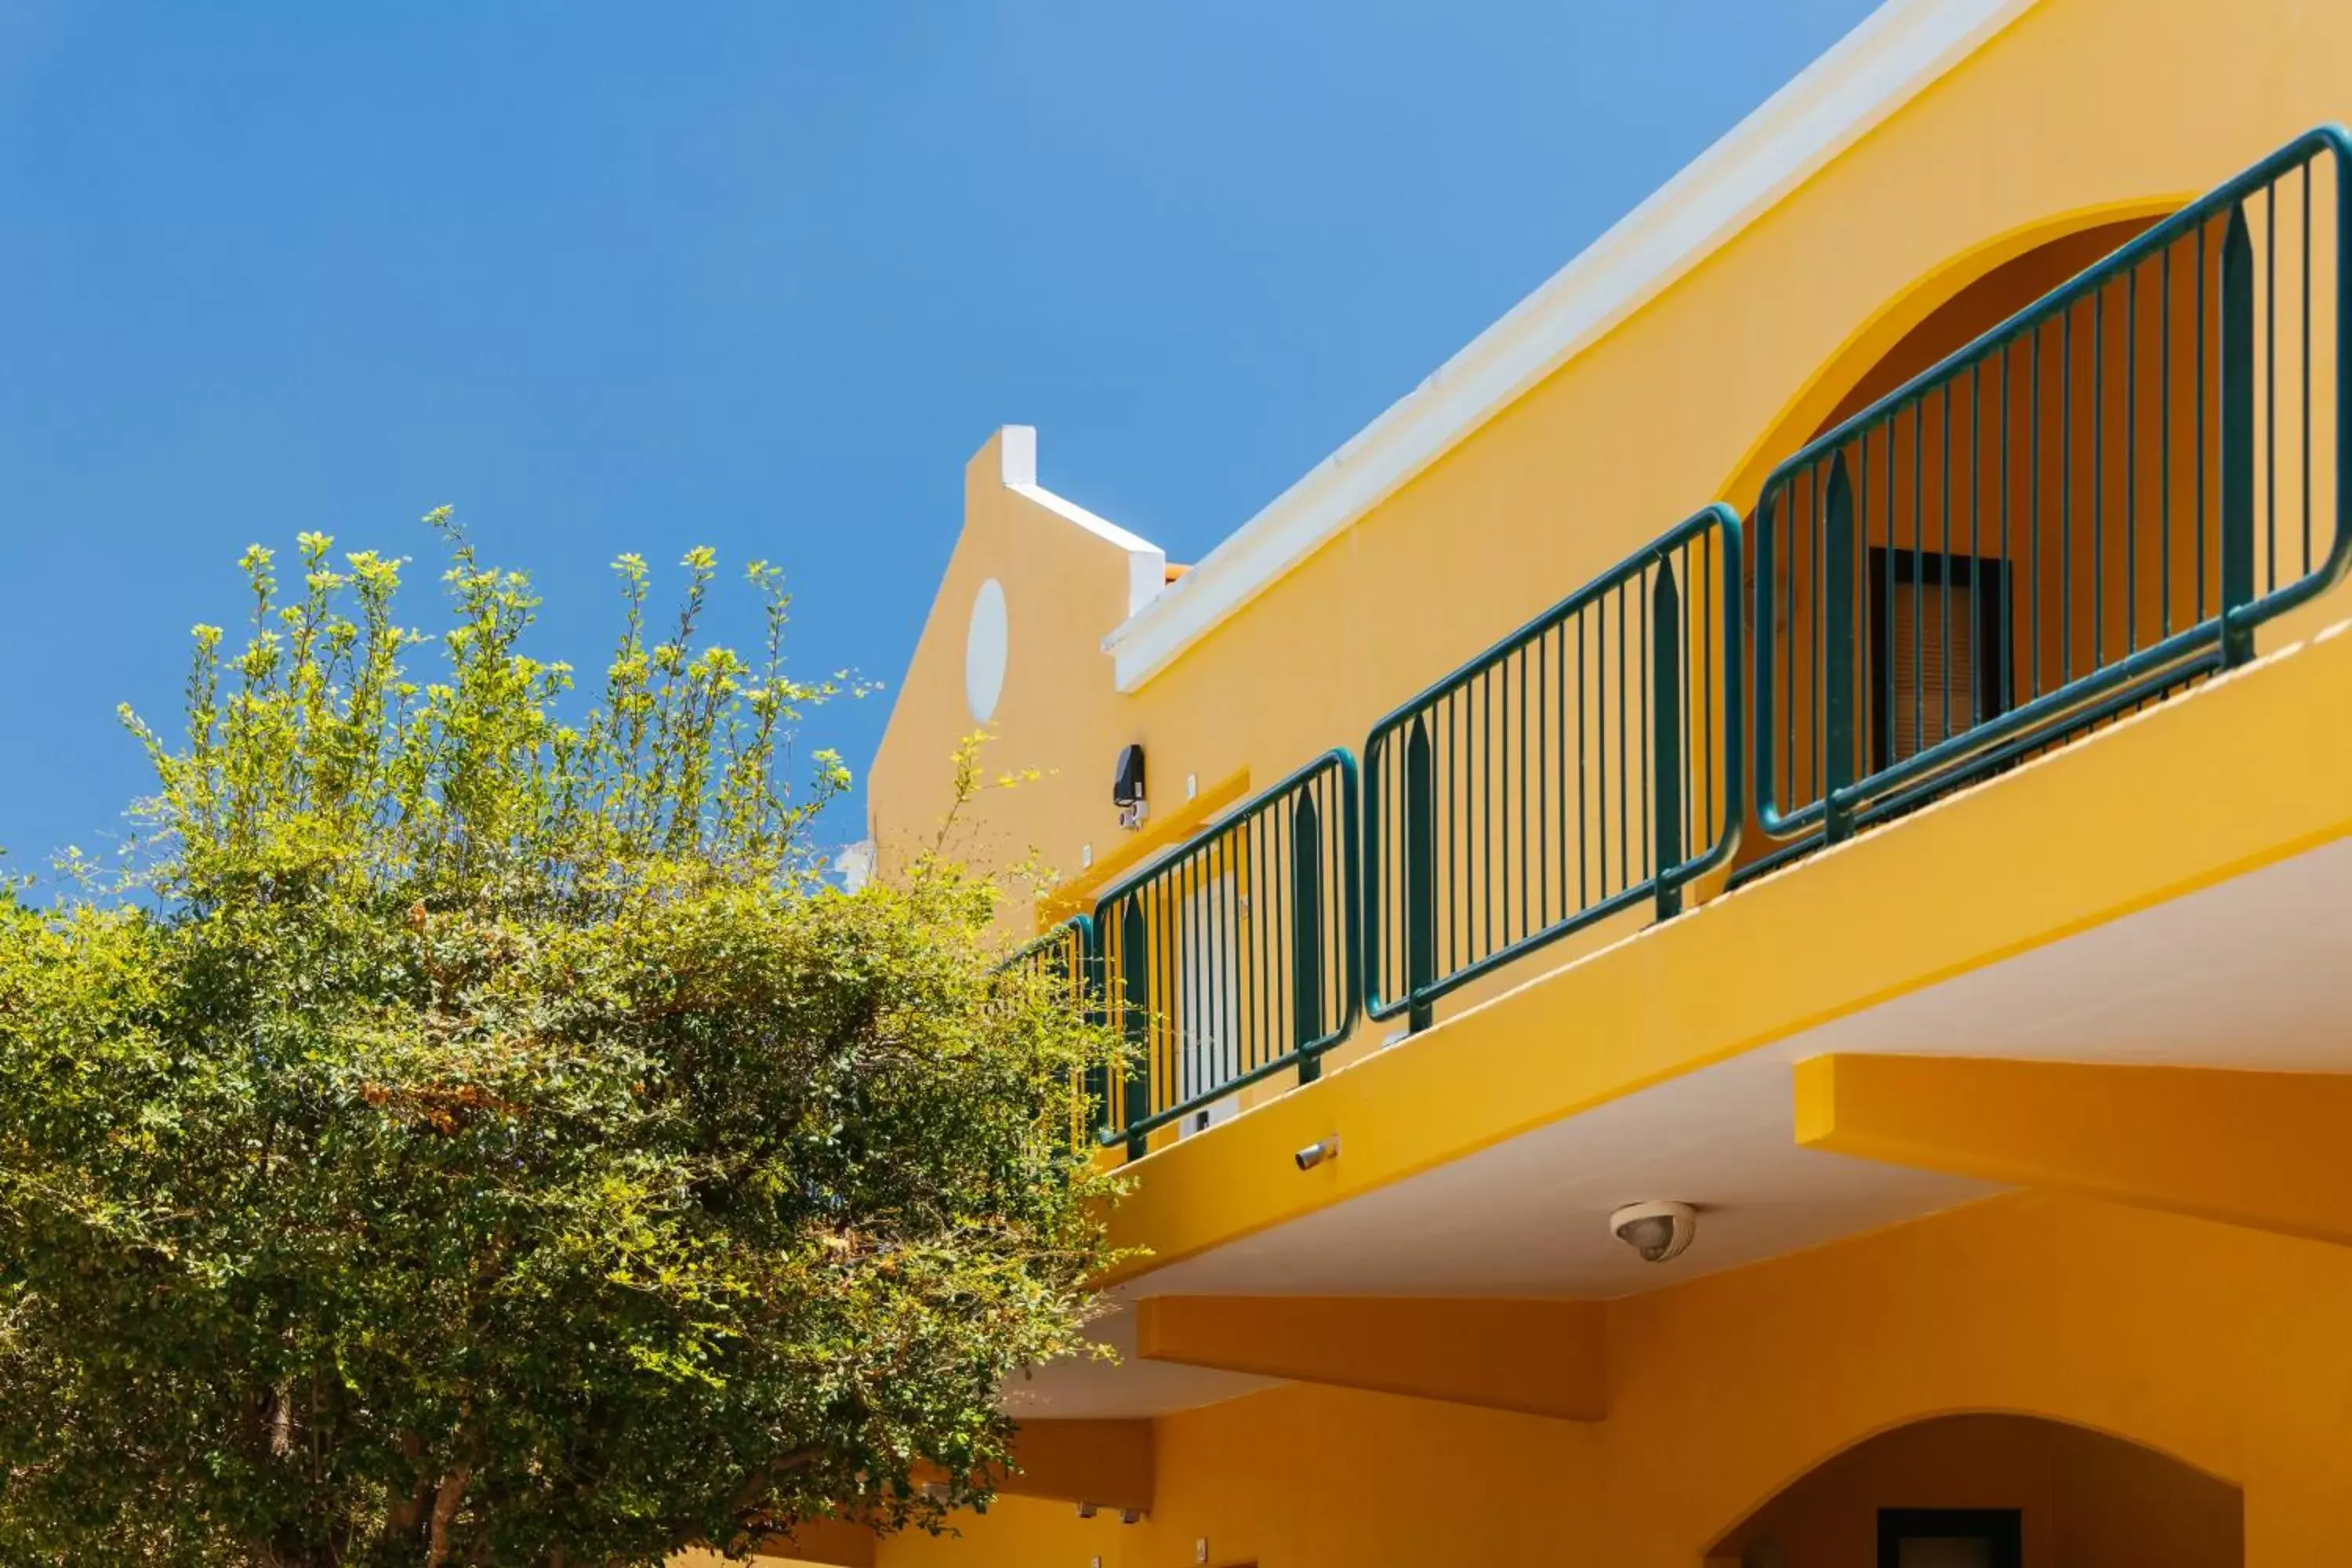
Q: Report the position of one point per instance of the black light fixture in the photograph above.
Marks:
(1126, 787)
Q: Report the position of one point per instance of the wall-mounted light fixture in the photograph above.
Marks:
(1127, 788)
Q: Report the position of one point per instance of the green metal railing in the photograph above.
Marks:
(2086, 507)
(1234, 957)
(1587, 761)
(2079, 512)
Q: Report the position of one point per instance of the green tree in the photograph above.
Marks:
(465, 1136)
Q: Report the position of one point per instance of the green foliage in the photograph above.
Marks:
(468, 1136)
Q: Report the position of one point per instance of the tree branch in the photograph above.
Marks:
(452, 1492)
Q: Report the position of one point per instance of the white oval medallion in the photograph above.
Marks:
(983, 652)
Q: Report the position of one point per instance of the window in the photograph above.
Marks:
(1939, 650)
(1950, 1538)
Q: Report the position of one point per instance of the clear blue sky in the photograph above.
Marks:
(754, 273)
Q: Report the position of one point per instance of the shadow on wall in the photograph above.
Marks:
(1994, 1491)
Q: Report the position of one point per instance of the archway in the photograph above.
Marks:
(1991, 543)
(1993, 1491)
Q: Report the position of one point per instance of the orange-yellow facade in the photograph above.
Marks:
(1945, 1296)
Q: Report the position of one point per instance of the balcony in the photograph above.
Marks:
(2089, 507)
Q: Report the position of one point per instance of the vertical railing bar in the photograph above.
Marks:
(1150, 1026)
(2304, 315)
(1686, 791)
(1447, 912)
(2164, 441)
(1306, 927)
(1839, 525)
(1371, 860)
(1664, 623)
(2237, 434)
(1169, 998)
(1165, 956)
(2270, 378)
(2033, 502)
(1763, 609)
(1187, 1038)
(1817, 677)
(1488, 775)
(1135, 1020)
(1341, 935)
(1200, 917)
(1943, 509)
(1241, 897)
(1879, 683)
(1270, 913)
(1273, 909)
(1149, 959)
(1223, 936)
(2340, 467)
(1623, 814)
(1601, 738)
(1241, 1052)
(1706, 670)
(1918, 568)
(1226, 1044)
(2066, 494)
(2008, 554)
(2098, 478)
(1543, 790)
(1523, 811)
(1420, 873)
(1583, 820)
(1813, 630)
(2201, 419)
(1648, 722)
(2131, 460)
(1560, 739)
(1976, 544)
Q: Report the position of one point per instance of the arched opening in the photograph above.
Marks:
(1993, 1491)
(2031, 511)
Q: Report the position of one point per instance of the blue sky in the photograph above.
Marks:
(753, 273)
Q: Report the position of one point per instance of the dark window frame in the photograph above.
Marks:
(1928, 570)
(2002, 1529)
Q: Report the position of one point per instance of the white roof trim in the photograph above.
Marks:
(1147, 564)
(1898, 50)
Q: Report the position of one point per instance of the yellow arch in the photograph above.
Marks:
(1722, 1539)
(1879, 332)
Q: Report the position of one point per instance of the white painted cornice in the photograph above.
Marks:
(1898, 50)
(1147, 564)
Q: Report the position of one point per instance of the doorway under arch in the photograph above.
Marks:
(1993, 1491)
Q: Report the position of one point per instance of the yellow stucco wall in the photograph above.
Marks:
(2220, 1348)
(2224, 1348)
(1691, 398)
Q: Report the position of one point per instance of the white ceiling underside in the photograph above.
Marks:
(2252, 973)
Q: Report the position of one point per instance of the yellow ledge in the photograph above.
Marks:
(1077, 895)
(2260, 1149)
(2247, 770)
(1536, 1357)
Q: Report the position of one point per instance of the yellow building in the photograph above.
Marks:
(1829, 713)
